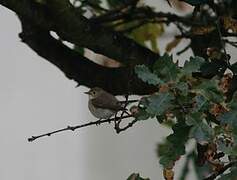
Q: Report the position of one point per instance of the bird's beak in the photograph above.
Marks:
(88, 92)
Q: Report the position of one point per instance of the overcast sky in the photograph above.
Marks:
(35, 97)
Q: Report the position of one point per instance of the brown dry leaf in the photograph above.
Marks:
(225, 82)
(169, 115)
(217, 109)
(218, 166)
(171, 45)
(168, 174)
(230, 23)
(227, 128)
(164, 88)
(200, 30)
(210, 152)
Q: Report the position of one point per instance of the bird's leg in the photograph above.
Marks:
(116, 123)
(115, 117)
(98, 122)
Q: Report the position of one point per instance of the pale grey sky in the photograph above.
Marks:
(35, 97)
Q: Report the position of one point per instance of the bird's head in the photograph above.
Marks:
(94, 92)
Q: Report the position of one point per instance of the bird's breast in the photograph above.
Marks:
(100, 113)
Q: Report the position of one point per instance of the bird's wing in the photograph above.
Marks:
(107, 102)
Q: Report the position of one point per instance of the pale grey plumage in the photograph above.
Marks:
(102, 104)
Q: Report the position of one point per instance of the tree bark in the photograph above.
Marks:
(120, 80)
(40, 17)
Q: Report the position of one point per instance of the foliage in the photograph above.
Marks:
(198, 101)
(189, 102)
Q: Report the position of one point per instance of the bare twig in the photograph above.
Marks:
(232, 43)
(130, 124)
(129, 101)
(72, 128)
(184, 49)
(95, 6)
(221, 171)
(117, 123)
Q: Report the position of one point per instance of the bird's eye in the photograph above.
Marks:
(93, 92)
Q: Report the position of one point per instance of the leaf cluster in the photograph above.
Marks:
(195, 108)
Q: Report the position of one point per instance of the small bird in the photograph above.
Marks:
(102, 104)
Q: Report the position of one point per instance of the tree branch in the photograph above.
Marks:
(221, 171)
(72, 128)
(79, 68)
(60, 16)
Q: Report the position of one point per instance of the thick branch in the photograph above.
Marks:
(79, 68)
(60, 16)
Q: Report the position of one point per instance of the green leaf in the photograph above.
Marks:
(183, 88)
(166, 69)
(167, 154)
(146, 75)
(170, 151)
(136, 176)
(142, 115)
(159, 103)
(210, 90)
(229, 118)
(193, 65)
(180, 134)
(201, 103)
(233, 103)
(228, 149)
(200, 130)
(216, 67)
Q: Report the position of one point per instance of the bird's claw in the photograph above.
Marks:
(98, 122)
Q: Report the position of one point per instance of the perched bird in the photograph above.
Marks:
(102, 104)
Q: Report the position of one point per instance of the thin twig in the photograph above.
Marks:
(184, 49)
(117, 123)
(127, 126)
(232, 43)
(129, 101)
(72, 128)
(93, 5)
(215, 174)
